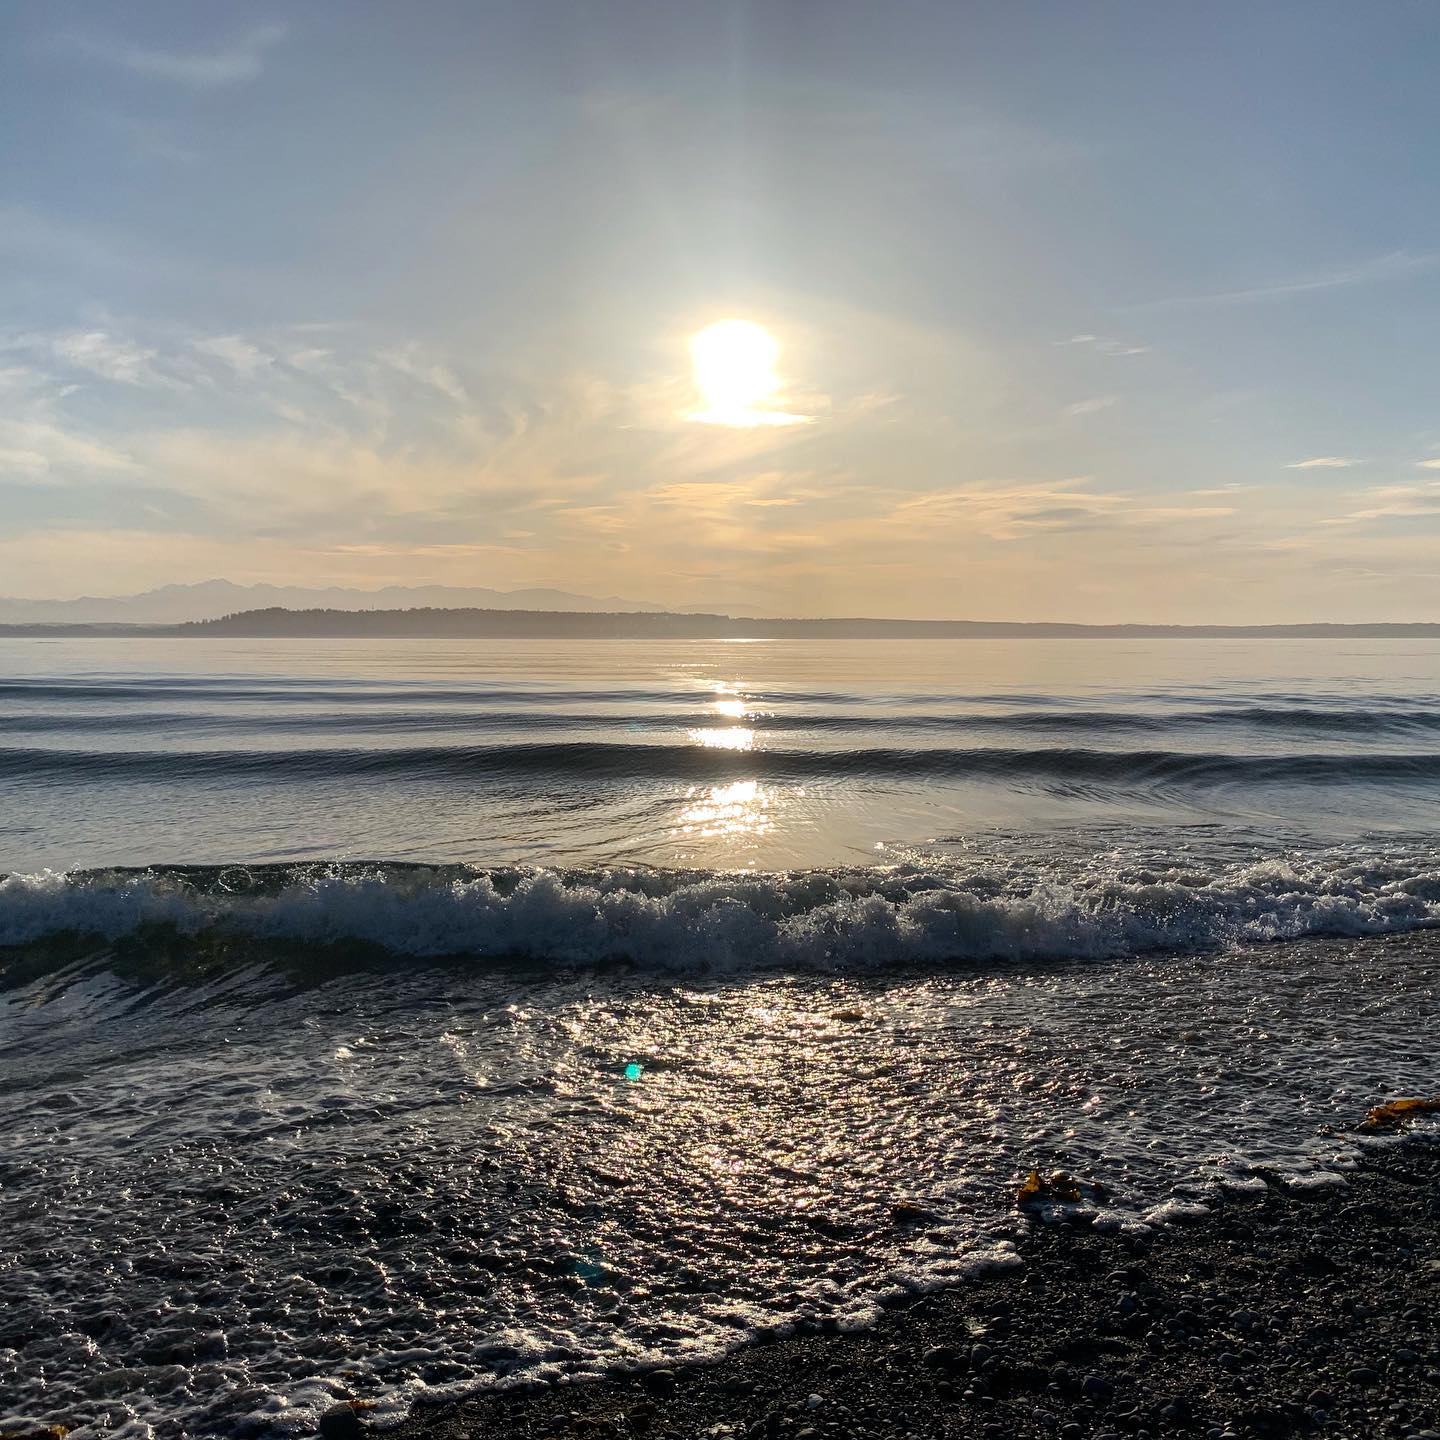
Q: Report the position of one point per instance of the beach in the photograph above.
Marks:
(1295, 1312)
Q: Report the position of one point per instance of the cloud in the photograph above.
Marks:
(1394, 502)
(1105, 347)
(370, 461)
(1093, 405)
(1429, 464)
(1324, 462)
(99, 353)
(40, 449)
(409, 361)
(1397, 265)
(243, 357)
(241, 60)
(1004, 510)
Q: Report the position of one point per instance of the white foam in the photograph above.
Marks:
(714, 921)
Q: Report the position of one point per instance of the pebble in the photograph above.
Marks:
(1363, 1375)
(340, 1422)
(1096, 1387)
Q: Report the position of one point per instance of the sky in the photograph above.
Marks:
(1102, 312)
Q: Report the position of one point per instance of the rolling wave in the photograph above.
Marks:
(388, 716)
(600, 760)
(337, 689)
(717, 921)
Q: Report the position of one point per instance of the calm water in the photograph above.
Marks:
(396, 1019)
(768, 754)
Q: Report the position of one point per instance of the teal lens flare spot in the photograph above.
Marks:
(634, 1071)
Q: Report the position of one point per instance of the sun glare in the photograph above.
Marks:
(734, 366)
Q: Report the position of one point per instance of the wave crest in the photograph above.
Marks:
(709, 921)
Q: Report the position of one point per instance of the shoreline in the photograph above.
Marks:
(1286, 1313)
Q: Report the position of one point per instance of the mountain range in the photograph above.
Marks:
(210, 599)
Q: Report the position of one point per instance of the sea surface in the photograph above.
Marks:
(388, 1020)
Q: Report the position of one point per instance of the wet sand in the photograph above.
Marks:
(1289, 1313)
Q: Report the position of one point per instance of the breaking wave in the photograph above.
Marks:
(698, 921)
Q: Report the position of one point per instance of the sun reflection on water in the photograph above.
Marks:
(729, 704)
(732, 738)
(738, 809)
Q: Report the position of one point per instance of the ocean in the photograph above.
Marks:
(392, 1019)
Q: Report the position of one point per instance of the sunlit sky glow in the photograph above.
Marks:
(734, 367)
(1013, 310)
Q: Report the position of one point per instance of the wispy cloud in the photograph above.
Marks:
(234, 63)
(336, 454)
(1093, 405)
(1387, 502)
(1102, 346)
(1324, 462)
(234, 351)
(1005, 510)
(38, 448)
(1429, 464)
(1397, 265)
(102, 354)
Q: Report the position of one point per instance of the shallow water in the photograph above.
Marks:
(235, 1199)
(388, 1019)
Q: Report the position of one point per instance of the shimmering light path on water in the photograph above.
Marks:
(766, 754)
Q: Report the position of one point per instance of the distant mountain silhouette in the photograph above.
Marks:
(210, 599)
(438, 622)
(538, 624)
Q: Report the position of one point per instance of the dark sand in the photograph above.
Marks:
(1285, 1314)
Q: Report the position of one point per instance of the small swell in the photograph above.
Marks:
(601, 760)
(388, 714)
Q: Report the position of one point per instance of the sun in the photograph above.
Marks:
(734, 367)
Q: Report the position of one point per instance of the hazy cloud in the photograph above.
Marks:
(1324, 462)
(1395, 501)
(1105, 347)
(1397, 265)
(243, 357)
(102, 354)
(388, 462)
(240, 60)
(42, 449)
(1093, 405)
